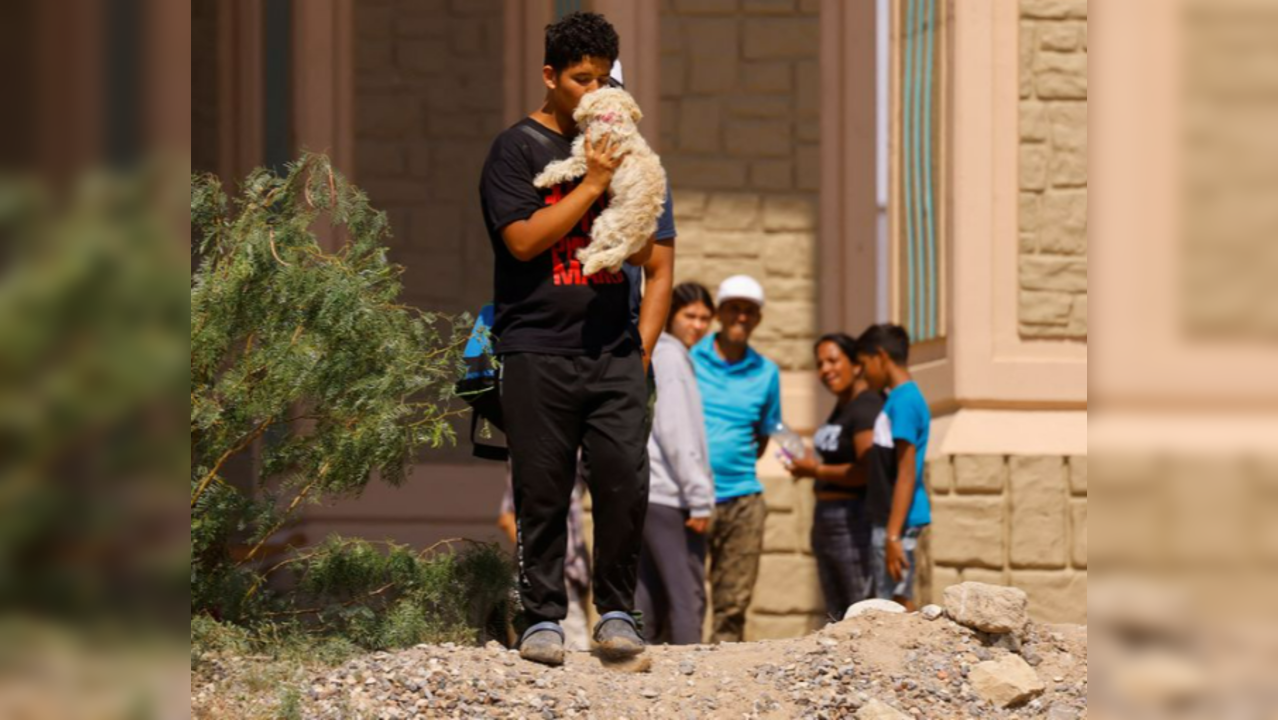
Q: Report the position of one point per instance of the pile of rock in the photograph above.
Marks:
(1001, 614)
(976, 657)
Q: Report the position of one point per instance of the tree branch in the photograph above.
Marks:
(217, 467)
(275, 252)
(297, 500)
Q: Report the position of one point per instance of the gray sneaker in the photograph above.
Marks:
(617, 636)
(543, 643)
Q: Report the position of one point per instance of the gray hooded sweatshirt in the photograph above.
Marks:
(677, 452)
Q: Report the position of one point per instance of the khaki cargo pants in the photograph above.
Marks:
(736, 541)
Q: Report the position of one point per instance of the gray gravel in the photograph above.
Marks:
(917, 666)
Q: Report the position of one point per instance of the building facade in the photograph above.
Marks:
(918, 161)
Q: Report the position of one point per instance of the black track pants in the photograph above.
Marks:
(553, 405)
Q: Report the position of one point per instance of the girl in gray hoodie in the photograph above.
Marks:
(672, 565)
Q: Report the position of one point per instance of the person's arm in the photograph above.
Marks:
(857, 476)
(811, 468)
(642, 257)
(658, 283)
(678, 428)
(506, 515)
(851, 475)
(506, 522)
(527, 239)
(762, 442)
(902, 496)
(771, 416)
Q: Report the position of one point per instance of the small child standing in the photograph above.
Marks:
(897, 500)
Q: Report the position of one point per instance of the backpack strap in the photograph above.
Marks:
(540, 138)
(484, 451)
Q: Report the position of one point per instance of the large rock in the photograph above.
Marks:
(1005, 682)
(878, 710)
(873, 605)
(989, 608)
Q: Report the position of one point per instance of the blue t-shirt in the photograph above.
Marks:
(912, 422)
(665, 231)
(741, 401)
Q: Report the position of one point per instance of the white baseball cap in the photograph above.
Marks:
(740, 287)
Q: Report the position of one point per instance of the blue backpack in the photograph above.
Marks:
(478, 385)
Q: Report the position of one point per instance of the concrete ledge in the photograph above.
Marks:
(1011, 432)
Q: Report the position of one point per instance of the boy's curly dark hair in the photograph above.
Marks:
(579, 35)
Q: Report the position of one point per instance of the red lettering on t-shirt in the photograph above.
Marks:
(566, 268)
(555, 195)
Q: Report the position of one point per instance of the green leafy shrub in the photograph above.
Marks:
(303, 355)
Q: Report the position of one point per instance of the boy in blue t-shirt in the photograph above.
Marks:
(897, 504)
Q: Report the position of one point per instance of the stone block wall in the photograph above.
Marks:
(1053, 169)
(787, 596)
(1018, 520)
(740, 93)
(428, 102)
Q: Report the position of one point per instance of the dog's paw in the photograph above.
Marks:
(591, 262)
(600, 263)
(542, 181)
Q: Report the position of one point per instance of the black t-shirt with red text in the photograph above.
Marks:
(546, 305)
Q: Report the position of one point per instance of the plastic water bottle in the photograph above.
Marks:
(790, 442)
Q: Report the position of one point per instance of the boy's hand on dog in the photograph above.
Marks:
(601, 163)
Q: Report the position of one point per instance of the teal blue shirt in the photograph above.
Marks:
(741, 401)
(912, 422)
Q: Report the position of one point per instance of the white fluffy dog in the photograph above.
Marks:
(638, 190)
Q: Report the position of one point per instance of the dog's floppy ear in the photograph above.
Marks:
(632, 107)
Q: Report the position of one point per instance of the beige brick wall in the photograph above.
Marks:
(1019, 520)
(1053, 169)
(428, 102)
(740, 138)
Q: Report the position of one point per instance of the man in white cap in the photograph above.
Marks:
(741, 395)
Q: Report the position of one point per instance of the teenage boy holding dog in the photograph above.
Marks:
(573, 364)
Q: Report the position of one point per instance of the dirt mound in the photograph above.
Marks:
(916, 667)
